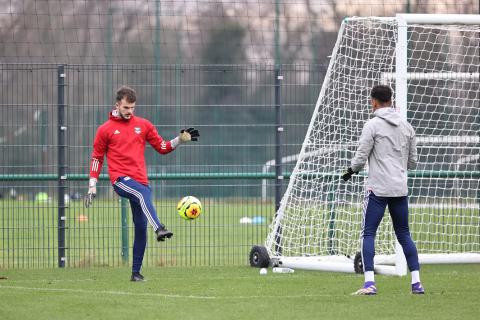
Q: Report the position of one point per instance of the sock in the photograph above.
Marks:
(370, 276)
(415, 276)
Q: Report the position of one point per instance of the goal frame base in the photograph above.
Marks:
(384, 264)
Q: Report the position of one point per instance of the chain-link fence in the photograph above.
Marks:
(247, 74)
(50, 117)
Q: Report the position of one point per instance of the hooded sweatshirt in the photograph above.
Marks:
(388, 142)
(123, 141)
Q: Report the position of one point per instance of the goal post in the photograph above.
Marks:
(432, 62)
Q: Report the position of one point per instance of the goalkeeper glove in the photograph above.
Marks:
(190, 134)
(92, 192)
(347, 175)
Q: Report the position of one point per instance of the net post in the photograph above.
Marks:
(331, 210)
(401, 67)
(401, 96)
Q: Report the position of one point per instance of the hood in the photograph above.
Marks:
(389, 115)
(113, 115)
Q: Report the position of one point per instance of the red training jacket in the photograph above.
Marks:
(124, 143)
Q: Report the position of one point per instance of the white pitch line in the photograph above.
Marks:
(175, 296)
(295, 296)
(52, 281)
(121, 293)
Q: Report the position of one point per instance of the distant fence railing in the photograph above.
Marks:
(51, 113)
(232, 168)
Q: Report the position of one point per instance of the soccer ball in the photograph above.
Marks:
(189, 208)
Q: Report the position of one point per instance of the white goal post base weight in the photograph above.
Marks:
(431, 62)
(384, 264)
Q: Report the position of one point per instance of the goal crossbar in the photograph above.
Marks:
(435, 19)
(474, 76)
(447, 19)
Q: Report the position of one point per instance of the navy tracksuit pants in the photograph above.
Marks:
(373, 211)
(143, 212)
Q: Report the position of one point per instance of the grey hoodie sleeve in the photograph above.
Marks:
(412, 153)
(364, 148)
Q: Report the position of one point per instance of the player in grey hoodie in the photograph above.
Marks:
(388, 143)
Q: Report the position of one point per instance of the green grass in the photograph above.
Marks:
(28, 237)
(233, 293)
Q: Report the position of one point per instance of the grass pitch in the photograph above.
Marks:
(453, 292)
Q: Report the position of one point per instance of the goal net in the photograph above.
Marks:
(432, 63)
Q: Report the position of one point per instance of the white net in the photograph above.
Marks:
(320, 214)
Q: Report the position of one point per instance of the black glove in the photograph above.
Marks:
(347, 175)
(190, 134)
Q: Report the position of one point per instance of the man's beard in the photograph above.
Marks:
(124, 117)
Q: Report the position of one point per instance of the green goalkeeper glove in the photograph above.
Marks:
(190, 134)
(347, 175)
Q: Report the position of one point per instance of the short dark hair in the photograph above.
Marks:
(126, 92)
(382, 93)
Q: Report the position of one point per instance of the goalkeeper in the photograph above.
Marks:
(388, 143)
(122, 139)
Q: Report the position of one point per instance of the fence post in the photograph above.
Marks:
(278, 155)
(278, 113)
(124, 209)
(278, 139)
(62, 177)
